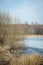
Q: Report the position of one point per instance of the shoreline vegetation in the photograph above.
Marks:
(10, 36)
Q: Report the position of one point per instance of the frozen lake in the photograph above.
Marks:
(35, 44)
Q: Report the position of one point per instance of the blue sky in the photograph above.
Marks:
(25, 10)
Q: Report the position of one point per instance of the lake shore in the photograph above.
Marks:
(32, 35)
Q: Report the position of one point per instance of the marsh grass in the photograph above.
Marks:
(16, 59)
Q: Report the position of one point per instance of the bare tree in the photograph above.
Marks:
(4, 20)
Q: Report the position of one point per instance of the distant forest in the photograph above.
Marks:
(25, 28)
(34, 29)
(30, 29)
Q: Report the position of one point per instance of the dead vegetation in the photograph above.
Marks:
(10, 35)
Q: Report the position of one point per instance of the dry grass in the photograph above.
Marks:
(16, 59)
